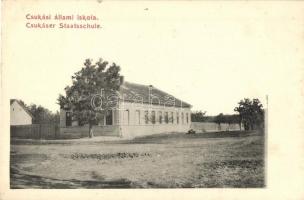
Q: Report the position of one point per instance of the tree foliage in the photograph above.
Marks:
(41, 115)
(92, 79)
(251, 113)
(219, 119)
(198, 116)
(232, 119)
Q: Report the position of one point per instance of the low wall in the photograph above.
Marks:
(74, 132)
(212, 127)
(106, 130)
(131, 131)
(83, 131)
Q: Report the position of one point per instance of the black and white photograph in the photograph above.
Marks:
(150, 95)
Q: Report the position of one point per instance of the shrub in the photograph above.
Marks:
(191, 131)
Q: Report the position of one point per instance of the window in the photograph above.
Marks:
(137, 117)
(160, 117)
(187, 118)
(101, 121)
(177, 117)
(166, 118)
(109, 117)
(153, 117)
(146, 117)
(126, 117)
(171, 118)
(68, 119)
(182, 118)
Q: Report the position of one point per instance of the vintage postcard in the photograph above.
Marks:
(152, 99)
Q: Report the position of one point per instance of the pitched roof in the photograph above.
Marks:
(21, 104)
(133, 92)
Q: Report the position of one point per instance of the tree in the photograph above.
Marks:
(91, 80)
(219, 119)
(42, 115)
(232, 119)
(251, 113)
(198, 116)
(56, 118)
(23, 103)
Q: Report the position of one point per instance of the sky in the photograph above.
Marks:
(209, 55)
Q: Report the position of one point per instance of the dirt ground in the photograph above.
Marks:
(224, 159)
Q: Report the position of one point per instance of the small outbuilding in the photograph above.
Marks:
(19, 114)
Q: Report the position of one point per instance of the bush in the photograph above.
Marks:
(191, 131)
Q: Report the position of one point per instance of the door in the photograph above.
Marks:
(68, 119)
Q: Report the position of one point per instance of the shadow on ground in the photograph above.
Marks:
(33, 181)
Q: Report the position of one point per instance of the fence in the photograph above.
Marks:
(212, 127)
(53, 131)
(36, 131)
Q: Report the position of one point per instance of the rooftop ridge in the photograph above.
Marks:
(143, 90)
(25, 108)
